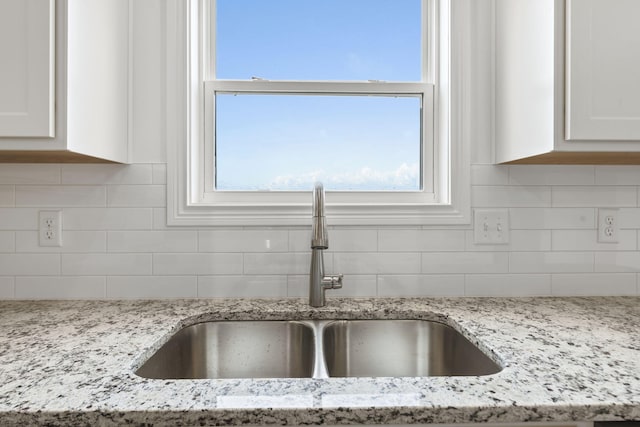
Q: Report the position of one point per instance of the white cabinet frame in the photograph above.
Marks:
(603, 70)
(27, 75)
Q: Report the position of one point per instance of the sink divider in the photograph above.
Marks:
(320, 370)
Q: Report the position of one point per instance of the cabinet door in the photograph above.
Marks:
(603, 70)
(27, 68)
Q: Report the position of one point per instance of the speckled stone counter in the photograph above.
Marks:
(565, 359)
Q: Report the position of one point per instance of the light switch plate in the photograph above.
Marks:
(491, 226)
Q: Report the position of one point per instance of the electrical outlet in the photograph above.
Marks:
(608, 226)
(491, 227)
(50, 228)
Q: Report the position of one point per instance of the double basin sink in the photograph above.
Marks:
(317, 349)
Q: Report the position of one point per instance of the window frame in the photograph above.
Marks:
(191, 201)
(205, 186)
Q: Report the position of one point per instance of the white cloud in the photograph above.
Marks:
(405, 177)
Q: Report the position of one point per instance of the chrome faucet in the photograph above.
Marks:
(318, 282)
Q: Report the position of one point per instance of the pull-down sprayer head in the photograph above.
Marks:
(319, 237)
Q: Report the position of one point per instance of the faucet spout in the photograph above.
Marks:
(318, 282)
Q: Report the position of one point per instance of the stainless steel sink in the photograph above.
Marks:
(317, 349)
(401, 348)
(242, 349)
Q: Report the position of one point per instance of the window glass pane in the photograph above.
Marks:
(319, 40)
(287, 142)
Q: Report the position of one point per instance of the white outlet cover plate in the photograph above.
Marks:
(50, 228)
(491, 226)
(608, 225)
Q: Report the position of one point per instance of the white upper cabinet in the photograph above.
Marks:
(603, 69)
(567, 81)
(64, 81)
(27, 58)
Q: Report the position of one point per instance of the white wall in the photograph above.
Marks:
(116, 244)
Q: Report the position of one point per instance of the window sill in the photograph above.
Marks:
(297, 215)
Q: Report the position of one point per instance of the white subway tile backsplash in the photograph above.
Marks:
(489, 175)
(593, 284)
(352, 286)
(612, 262)
(116, 243)
(551, 175)
(76, 287)
(519, 240)
(465, 262)
(300, 240)
(7, 287)
(29, 264)
(587, 240)
(242, 286)
(152, 241)
(628, 218)
(83, 174)
(421, 240)
(510, 197)
(159, 219)
(7, 241)
(551, 262)
(105, 219)
(530, 240)
(136, 196)
(196, 264)
(512, 285)
(60, 195)
(298, 286)
(88, 264)
(617, 175)
(345, 240)
(590, 196)
(278, 263)
(72, 242)
(552, 218)
(7, 195)
(159, 173)
(414, 285)
(376, 263)
(29, 174)
(243, 241)
(340, 240)
(18, 218)
(151, 287)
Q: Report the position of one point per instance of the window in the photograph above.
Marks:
(279, 94)
(359, 135)
(287, 142)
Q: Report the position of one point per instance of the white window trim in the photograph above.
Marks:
(185, 100)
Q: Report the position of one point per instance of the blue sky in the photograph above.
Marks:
(271, 142)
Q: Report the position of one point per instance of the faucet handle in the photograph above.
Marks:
(333, 282)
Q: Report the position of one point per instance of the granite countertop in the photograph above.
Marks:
(565, 359)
